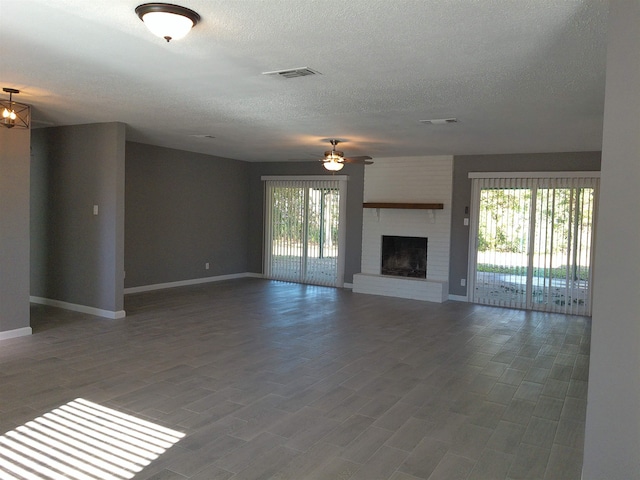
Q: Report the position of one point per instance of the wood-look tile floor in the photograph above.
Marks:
(278, 380)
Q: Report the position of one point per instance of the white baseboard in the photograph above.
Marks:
(458, 298)
(348, 285)
(18, 332)
(194, 281)
(79, 308)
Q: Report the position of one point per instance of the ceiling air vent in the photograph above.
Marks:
(201, 136)
(293, 72)
(439, 121)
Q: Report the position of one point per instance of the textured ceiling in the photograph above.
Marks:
(519, 75)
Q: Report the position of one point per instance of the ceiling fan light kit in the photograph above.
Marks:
(168, 21)
(14, 114)
(333, 165)
(334, 159)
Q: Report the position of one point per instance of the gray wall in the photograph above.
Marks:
(612, 431)
(355, 191)
(14, 230)
(183, 210)
(462, 165)
(77, 257)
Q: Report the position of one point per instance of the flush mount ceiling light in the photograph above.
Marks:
(14, 114)
(167, 21)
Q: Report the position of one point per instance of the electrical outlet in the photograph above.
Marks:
(206, 266)
(463, 282)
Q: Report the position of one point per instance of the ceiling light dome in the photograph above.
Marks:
(167, 21)
(333, 164)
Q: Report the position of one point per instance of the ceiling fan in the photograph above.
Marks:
(334, 159)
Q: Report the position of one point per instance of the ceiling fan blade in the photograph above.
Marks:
(362, 160)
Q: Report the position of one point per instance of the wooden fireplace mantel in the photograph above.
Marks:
(410, 206)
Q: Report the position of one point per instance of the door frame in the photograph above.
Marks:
(474, 222)
(342, 218)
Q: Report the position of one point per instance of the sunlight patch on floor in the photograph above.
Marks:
(85, 441)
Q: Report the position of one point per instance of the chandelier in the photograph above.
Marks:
(14, 114)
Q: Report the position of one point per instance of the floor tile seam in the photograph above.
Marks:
(529, 444)
(406, 476)
(254, 420)
(341, 425)
(534, 381)
(548, 454)
(280, 440)
(341, 455)
(332, 387)
(579, 449)
(258, 399)
(393, 430)
(203, 412)
(512, 456)
(231, 474)
(562, 364)
(241, 467)
(472, 458)
(511, 425)
(540, 417)
(408, 452)
(581, 397)
(298, 450)
(448, 444)
(555, 431)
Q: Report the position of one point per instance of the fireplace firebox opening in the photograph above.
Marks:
(404, 256)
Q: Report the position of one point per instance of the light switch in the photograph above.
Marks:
(466, 222)
(95, 209)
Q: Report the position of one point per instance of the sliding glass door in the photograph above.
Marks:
(531, 242)
(304, 230)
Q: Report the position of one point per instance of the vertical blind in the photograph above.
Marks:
(303, 233)
(533, 242)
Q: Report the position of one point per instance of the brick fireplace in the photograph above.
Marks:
(401, 182)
